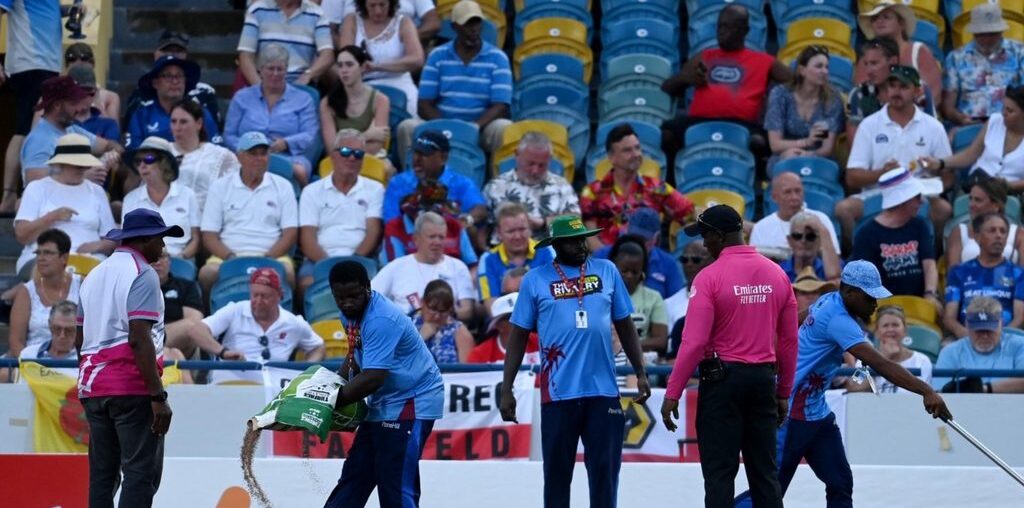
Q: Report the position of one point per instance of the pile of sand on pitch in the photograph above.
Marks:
(249, 441)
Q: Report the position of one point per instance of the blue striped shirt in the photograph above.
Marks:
(304, 34)
(464, 91)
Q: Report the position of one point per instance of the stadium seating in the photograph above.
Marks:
(556, 132)
(183, 269)
(816, 173)
(335, 339)
(919, 311)
(282, 166)
(551, 67)
(809, 18)
(566, 39)
(713, 167)
(551, 16)
(964, 136)
(81, 264)
(465, 155)
(650, 142)
(645, 105)
(244, 266)
(316, 149)
(633, 72)
(543, 93)
(716, 139)
(639, 36)
(373, 168)
(703, 199)
(617, 10)
(925, 340)
(1013, 211)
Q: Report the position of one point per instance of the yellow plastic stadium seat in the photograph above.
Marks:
(918, 310)
(557, 133)
(793, 49)
(3, 34)
(373, 168)
(560, 45)
(647, 168)
(818, 29)
(559, 28)
(81, 264)
(333, 334)
(706, 198)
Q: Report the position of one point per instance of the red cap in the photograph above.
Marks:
(267, 277)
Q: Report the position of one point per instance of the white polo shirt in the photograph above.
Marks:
(772, 231)
(880, 140)
(180, 208)
(403, 280)
(242, 333)
(250, 221)
(340, 218)
(91, 220)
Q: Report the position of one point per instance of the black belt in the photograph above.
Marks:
(750, 365)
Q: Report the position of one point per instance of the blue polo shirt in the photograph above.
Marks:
(575, 362)
(464, 91)
(460, 189)
(828, 331)
(495, 262)
(414, 388)
(151, 120)
(663, 272)
(1004, 282)
(1009, 354)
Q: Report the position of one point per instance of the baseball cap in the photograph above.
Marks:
(252, 139)
(905, 74)
(431, 141)
(78, 51)
(172, 38)
(266, 276)
(502, 308)
(721, 218)
(644, 221)
(466, 10)
(863, 275)
(982, 321)
(84, 76)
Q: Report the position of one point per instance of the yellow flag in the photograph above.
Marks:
(60, 423)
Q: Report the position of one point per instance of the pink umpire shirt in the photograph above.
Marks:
(742, 307)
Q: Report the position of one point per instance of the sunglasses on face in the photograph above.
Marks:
(351, 152)
(810, 237)
(147, 159)
(265, 342)
(691, 259)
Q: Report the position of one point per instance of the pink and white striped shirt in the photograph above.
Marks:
(743, 308)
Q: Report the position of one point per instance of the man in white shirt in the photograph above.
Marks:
(770, 232)
(257, 330)
(340, 215)
(898, 135)
(252, 213)
(402, 281)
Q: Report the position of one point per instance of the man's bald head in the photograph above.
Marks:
(788, 194)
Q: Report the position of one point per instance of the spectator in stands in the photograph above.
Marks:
(160, 191)
(663, 274)
(253, 213)
(805, 117)
(898, 135)
(105, 103)
(808, 287)
(173, 43)
(340, 215)
(403, 280)
(285, 113)
(62, 102)
(606, 203)
(899, 242)
(985, 195)
(978, 73)
(352, 104)
(59, 326)
(200, 162)
(183, 305)
(33, 56)
(894, 20)
(891, 333)
(772, 232)
(545, 195)
(50, 284)
(997, 149)
(809, 247)
(421, 12)
(989, 274)
(649, 316)
(694, 258)
(255, 330)
(390, 40)
(730, 82)
(515, 249)
(430, 162)
(297, 24)
(513, 279)
(466, 79)
(492, 349)
(160, 89)
(429, 196)
(92, 119)
(876, 57)
(447, 338)
(67, 201)
(988, 346)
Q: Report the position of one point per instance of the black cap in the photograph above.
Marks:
(431, 141)
(905, 74)
(720, 218)
(173, 38)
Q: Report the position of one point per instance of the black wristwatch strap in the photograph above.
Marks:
(160, 397)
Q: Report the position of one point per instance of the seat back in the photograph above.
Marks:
(729, 169)
(924, 340)
(916, 309)
(333, 334)
(244, 266)
(718, 132)
(706, 198)
(551, 64)
(183, 269)
(374, 168)
(322, 268)
(81, 264)
(457, 131)
(817, 168)
(562, 28)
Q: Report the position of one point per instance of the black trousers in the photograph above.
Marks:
(738, 414)
(121, 443)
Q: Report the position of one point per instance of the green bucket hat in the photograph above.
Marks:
(567, 226)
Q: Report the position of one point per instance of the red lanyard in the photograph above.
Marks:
(355, 340)
(565, 280)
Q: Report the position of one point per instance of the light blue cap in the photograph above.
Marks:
(251, 140)
(863, 275)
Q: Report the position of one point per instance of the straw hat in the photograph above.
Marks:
(74, 150)
(903, 11)
(808, 282)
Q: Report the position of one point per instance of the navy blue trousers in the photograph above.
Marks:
(821, 443)
(384, 455)
(600, 423)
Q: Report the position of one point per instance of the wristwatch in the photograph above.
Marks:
(160, 397)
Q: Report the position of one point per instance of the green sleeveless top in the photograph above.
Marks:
(361, 122)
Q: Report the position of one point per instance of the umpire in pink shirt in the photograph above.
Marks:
(741, 330)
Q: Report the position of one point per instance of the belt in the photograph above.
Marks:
(750, 365)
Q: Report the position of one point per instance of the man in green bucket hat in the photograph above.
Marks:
(573, 304)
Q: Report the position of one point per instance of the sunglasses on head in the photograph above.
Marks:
(148, 159)
(818, 49)
(351, 152)
(77, 57)
(691, 259)
(265, 342)
(810, 237)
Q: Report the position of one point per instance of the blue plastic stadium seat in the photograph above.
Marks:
(718, 132)
(712, 167)
(322, 268)
(551, 65)
(561, 9)
(544, 92)
(244, 266)
(183, 268)
(812, 10)
(964, 136)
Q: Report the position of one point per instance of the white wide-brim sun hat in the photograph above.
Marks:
(899, 186)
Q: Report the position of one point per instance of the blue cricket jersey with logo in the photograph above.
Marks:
(1004, 282)
(828, 331)
(150, 119)
(575, 362)
(414, 388)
